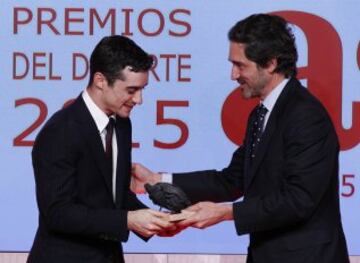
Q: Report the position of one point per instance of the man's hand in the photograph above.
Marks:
(141, 176)
(171, 231)
(206, 214)
(147, 222)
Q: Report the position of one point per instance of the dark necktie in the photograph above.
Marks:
(257, 129)
(108, 138)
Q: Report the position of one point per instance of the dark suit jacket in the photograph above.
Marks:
(78, 219)
(291, 201)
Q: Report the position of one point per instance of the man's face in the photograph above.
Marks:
(248, 74)
(123, 95)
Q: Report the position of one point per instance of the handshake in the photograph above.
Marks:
(181, 215)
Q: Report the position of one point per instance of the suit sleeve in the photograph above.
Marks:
(55, 156)
(309, 171)
(212, 185)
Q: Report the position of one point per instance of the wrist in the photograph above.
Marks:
(228, 212)
(156, 178)
(130, 215)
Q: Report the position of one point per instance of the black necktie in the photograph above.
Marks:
(108, 138)
(257, 129)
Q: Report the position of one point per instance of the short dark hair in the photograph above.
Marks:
(113, 53)
(266, 37)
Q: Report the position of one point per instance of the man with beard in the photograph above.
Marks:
(287, 167)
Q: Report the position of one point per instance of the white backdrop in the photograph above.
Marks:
(185, 121)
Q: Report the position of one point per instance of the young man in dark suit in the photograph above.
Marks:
(287, 167)
(82, 164)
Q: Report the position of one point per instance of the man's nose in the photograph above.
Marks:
(138, 97)
(235, 73)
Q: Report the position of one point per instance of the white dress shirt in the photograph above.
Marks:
(271, 98)
(101, 121)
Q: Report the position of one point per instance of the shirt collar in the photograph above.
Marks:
(270, 100)
(100, 118)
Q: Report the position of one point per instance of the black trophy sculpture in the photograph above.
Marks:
(169, 196)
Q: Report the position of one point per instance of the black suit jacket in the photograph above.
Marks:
(291, 201)
(78, 219)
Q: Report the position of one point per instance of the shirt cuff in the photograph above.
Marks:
(166, 178)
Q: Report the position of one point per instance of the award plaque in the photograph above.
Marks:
(170, 197)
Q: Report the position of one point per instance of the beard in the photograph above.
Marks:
(254, 89)
(246, 91)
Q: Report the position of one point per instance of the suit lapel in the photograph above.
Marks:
(123, 138)
(270, 129)
(93, 140)
(263, 145)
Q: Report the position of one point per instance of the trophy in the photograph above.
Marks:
(170, 197)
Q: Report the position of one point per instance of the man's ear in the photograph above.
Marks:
(99, 80)
(272, 65)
